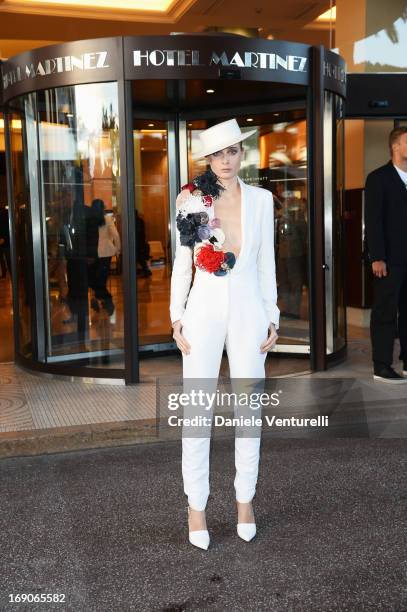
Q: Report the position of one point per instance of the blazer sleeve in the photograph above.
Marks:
(374, 217)
(181, 274)
(266, 261)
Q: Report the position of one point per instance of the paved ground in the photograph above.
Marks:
(109, 529)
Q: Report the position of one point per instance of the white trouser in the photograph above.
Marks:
(222, 309)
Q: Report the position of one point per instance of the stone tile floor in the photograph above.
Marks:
(31, 403)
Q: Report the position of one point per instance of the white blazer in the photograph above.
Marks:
(109, 243)
(256, 260)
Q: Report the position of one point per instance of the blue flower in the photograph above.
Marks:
(203, 232)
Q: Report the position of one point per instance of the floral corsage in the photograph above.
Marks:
(202, 234)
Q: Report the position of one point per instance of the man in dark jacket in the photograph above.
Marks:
(386, 234)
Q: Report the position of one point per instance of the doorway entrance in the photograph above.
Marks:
(275, 158)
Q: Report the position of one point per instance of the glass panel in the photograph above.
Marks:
(276, 158)
(23, 224)
(153, 255)
(80, 185)
(371, 35)
(6, 298)
(333, 215)
(328, 218)
(366, 148)
(384, 49)
(338, 244)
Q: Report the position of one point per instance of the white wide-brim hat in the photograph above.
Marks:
(220, 136)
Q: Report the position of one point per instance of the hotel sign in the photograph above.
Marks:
(54, 65)
(200, 57)
(246, 59)
(166, 57)
(86, 61)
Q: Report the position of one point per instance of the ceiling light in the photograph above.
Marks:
(210, 91)
(249, 119)
(329, 15)
(151, 125)
(156, 133)
(128, 5)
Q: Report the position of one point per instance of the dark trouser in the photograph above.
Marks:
(98, 272)
(390, 299)
(5, 263)
(77, 298)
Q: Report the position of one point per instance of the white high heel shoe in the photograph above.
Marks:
(246, 531)
(199, 538)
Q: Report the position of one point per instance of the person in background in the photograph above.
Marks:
(102, 247)
(386, 234)
(142, 246)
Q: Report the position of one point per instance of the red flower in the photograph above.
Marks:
(207, 200)
(208, 259)
(190, 186)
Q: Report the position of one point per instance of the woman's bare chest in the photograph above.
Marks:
(229, 214)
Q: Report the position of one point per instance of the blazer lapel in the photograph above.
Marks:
(245, 194)
(397, 181)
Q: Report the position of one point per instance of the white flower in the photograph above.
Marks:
(200, 244)
(219, 234)
(192, 204)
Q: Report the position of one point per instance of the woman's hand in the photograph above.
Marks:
(271, 340)
(181, 342)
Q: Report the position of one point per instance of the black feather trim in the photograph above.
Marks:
(208, 183)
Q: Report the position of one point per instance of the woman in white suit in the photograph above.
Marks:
(226, 228)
